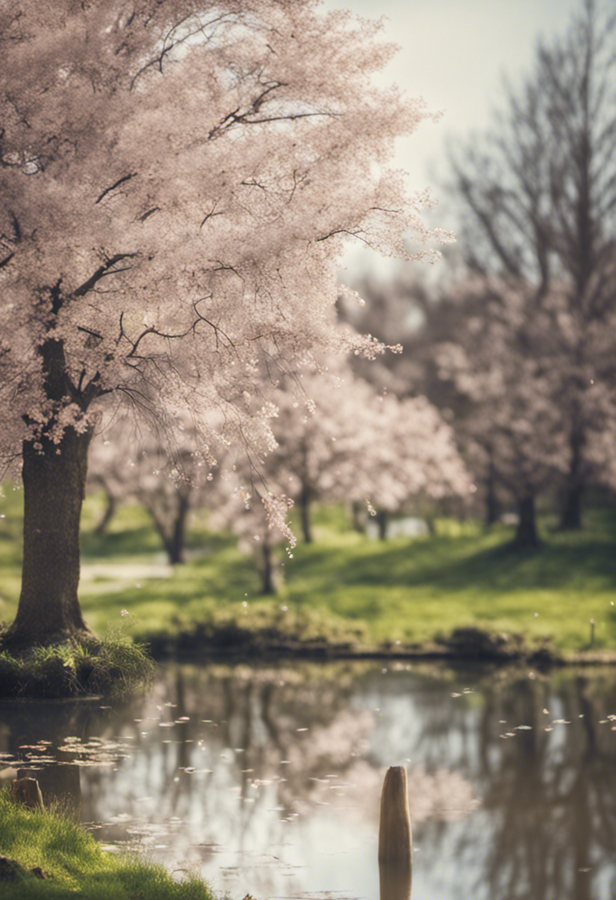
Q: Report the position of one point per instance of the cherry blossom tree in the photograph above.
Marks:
(178, 179)
(257, 514)
(372, 448)
(501, 368)
(133, 462)
(415, 465)
(322, 439)
(539, 199)
(345, 443)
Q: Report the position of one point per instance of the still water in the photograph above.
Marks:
(267, 780)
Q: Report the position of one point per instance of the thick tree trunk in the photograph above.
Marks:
(526, 536)
(54, 479)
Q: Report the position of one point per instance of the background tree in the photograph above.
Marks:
(369, 447)
(500, 370)
(136, 464)
(415, 462)
(346, 444)
(177, 181)
(539, 198)
(259, 521)
(323, 442)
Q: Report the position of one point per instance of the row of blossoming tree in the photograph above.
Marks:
(178, 178)
(517, 345)
(338, 440)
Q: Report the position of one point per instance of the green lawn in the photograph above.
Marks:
(343, 584)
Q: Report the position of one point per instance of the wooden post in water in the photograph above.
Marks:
(60, 786)
(395, 840)
(27, 792)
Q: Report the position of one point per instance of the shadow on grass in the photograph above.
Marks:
(456, 564)
(130, 541)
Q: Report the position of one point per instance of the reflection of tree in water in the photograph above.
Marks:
(542, 757)
(554, 794)
(33, 741)
(247, 750)
(239, 759)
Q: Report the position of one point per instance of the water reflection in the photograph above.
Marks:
(268, 780)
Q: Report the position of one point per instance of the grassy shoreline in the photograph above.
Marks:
(114, 667)
(68, 863)
(446, 596)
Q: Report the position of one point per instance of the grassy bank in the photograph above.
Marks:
(114, 667)
(68, 863)
(343, 586)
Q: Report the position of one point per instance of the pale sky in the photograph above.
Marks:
(455, 54)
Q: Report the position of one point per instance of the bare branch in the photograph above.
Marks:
(114, 186)
(149, 213)
(102, 271)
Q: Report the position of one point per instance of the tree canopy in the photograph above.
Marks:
(538, 193)
(178, 180)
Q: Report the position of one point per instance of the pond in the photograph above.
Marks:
(267, 780)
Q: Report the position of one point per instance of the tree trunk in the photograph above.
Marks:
(304, 514)
(571, 515)
(54, 479)
(178, 537)
(268, 581)
(571, 511)
(382, 519)
(172, 534)
(100, 529)
(492, 508)
(358, 517)
(526, 536)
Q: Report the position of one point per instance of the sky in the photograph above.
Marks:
(456, 54)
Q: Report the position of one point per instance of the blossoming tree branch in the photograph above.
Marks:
(178, 178)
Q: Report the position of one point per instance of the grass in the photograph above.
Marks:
(75, 865)
(114, 667)
(343, 586)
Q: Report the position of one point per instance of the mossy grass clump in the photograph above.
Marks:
(50, 858)
(115, 666)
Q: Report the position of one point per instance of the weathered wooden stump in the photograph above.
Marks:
(61, 788)
(395, 840)
(27, 792)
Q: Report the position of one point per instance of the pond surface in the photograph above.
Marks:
(267, 780)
